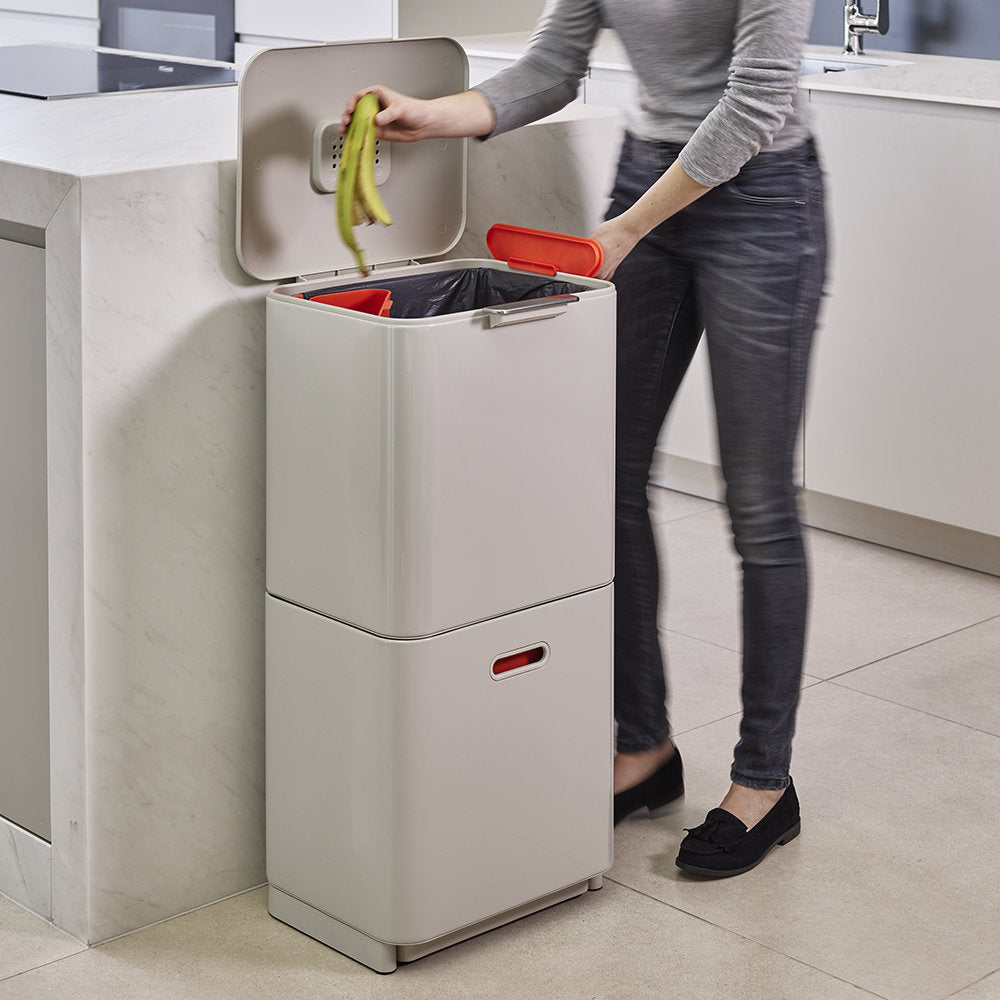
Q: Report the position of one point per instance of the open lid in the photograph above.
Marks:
(543, 252)
(290, 102)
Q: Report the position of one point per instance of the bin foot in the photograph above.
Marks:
(597, 882)
(354, 944)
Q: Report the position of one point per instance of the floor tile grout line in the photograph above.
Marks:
(44, 965)
(916, 645)
(749, 940)
(911, 708)
(697, 638)
(968, 986)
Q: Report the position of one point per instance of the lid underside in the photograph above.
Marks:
(286, 226)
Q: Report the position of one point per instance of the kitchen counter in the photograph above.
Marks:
(111, 133)
(936, 79)
(943, 79)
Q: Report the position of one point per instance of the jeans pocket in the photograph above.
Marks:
(764, 190)
(771, 179)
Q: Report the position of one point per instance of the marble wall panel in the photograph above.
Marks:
(29, 197)
(67, 682)
(25, 875)
(555, 174)
(173, 513)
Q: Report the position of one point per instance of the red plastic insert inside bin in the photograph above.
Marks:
(375, 301)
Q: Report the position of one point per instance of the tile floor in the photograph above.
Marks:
(892, 891)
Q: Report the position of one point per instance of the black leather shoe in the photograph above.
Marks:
(722, 845)
(661, 789)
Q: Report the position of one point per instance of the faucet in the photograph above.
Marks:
(857, 24)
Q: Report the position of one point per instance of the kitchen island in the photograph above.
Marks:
(144, 678)
(146, 532)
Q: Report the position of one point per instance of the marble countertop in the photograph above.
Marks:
(112, 133)
(91, 136)
(910, 77)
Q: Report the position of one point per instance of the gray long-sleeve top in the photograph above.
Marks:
(720, 76)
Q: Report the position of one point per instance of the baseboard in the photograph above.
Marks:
(686, 476)
(25, 869)
(920, 536)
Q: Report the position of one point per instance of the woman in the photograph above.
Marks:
(716, 224)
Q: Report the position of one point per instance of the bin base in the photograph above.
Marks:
(382, 956)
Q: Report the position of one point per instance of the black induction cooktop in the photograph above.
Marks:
(58, 71)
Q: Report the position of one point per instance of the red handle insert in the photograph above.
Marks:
(513, 661)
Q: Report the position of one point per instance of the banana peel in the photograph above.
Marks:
(357, 199)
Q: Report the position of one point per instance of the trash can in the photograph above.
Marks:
(440, 520)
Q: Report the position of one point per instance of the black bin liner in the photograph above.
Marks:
(438, 293)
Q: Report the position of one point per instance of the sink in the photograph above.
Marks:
(812, 64)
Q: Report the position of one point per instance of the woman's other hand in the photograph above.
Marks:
(674, 190)
(617, 240)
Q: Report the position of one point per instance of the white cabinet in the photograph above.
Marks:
(24, 704)
(314, 20)
(905, 400)
(456, 18)
(61, 8)
(687, 452)
(54, 28)
(347, 20)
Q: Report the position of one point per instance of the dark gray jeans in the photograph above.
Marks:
(746, 265)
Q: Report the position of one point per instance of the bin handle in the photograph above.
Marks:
(530, 309)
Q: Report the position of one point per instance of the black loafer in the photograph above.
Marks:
(722, 845)
(662, 789)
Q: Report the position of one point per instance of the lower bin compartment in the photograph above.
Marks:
(412, 793)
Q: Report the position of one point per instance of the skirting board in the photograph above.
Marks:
(932, 539)
(25, 869)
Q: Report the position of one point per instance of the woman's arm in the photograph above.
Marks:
(763, 81)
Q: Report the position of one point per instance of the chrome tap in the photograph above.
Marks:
(857, 24)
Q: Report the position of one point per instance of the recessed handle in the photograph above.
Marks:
(529, 310)
(519, 661)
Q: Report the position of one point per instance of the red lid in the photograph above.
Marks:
(542, 252)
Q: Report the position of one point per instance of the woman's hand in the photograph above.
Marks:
(617, 239)
(401, 118)
(407, 119)
(674, 190)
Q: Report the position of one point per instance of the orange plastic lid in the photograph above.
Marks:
(543, 252)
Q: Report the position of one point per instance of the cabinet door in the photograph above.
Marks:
(315, 20)
(458, 18)
(24, 27)
(24, 669)
(905, 400)
(63, 8)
